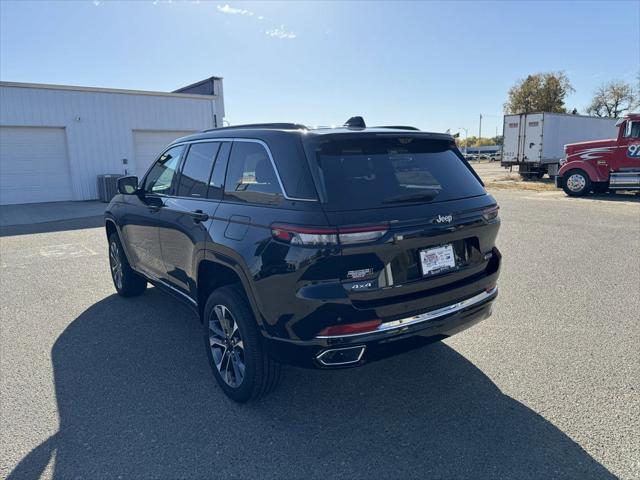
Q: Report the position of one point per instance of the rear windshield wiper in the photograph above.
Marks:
(413, 197)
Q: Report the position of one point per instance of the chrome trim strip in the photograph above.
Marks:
(321, 354)
(154, 279)
(423, 317)
(249, 140)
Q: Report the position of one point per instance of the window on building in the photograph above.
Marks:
(194, 179)
(250, 175)
(163, 172)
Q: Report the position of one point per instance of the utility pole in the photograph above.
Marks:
(479, 136)
(466, 137)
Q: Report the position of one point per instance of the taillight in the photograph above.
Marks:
(317, 236)
(310, 236)
(349, 235)
(491, 213)
(350, 328)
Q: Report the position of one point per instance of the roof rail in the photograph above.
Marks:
(276, 126)
(399, 127)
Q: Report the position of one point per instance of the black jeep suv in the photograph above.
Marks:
(324, 248)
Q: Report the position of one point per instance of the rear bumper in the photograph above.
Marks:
(390, 339)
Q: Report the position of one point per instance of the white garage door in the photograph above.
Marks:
(148, 145)
(34, 166)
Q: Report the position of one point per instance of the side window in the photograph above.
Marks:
(162, 173)
(632, 130)
(196, 169)
(250, 175)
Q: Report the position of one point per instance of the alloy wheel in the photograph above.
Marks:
(116, 264)
(576, 182)
(227, 346)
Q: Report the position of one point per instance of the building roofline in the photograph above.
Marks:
(195, 84)
(47, 86)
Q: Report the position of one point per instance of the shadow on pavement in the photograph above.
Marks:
(614, 197)
(57, 226)
(136, 399)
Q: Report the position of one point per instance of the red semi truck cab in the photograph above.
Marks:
(602, 165)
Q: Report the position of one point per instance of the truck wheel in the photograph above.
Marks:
(243, 369)
(576, 183)
(127, 282)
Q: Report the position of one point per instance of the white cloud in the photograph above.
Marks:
(226, 8)
(276, 32)
(280, 33)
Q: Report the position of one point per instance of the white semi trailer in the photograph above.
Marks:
(535, 141)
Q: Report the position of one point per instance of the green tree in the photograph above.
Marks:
(612, 99)
(473, 141)
(541, 92)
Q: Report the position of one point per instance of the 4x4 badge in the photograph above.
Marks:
(443, 219)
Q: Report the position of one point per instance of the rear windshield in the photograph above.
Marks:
(380, 172)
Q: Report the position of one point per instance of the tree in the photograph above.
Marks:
(541, 92)
(612, 99)
(473, 141)
(497, 140)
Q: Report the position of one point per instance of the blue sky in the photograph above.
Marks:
(436, 65)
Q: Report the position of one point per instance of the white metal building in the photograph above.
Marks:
(55, 140)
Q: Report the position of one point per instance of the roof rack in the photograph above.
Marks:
(399, 127)
(276, 126)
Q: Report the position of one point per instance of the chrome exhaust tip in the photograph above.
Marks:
(334, 357)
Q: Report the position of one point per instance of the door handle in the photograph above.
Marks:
(199, 216)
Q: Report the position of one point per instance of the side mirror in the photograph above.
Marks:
(128, 185)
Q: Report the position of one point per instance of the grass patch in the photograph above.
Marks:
(514, 181)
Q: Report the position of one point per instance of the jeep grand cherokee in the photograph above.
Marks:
(324, 248)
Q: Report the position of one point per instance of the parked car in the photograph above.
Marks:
(484, 156)
(471, 156)
(323, 248)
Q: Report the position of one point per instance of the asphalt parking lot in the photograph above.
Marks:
(96, 386)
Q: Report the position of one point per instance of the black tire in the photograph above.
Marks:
(235, 342)
(127, 282)
(576, 183)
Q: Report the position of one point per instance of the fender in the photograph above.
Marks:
(108, 218)
(596, 174)
(236, 266)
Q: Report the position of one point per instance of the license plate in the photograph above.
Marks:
(438, 259)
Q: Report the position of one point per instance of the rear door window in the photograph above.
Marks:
(194, 179)
(250, 175)
(389, 171)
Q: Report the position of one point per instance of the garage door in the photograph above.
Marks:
(34, 166)
(148, 145)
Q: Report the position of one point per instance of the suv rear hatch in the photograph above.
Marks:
(414, 219)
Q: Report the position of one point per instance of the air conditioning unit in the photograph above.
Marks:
(108, 186)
